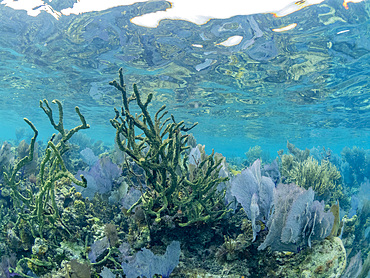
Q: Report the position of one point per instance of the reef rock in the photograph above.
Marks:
(325, 259)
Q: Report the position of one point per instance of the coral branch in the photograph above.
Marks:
(160, 151)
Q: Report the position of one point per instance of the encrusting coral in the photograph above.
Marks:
(161, 151)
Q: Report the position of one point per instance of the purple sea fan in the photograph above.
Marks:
(354, 267)
(147, 264)
(254, 214)
(98, 248)
(272, 171)
(6, 157)
(255, 193)
(100, 177)
(6, 263)
(88, 156)
(297, 219)
(320, 224)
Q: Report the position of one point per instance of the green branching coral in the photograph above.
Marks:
(305, 171)
(161, 151)
(38, 207)
(298, 154)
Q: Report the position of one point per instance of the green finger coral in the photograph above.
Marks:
(37, 206)
(160, 150)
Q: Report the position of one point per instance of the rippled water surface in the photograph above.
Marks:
(308, 85)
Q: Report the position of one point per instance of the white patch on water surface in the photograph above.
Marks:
(200, 12)
(341, 32)
(285, 28)
(33, 7)
(234, 40)
(195, 11)
(294, 6)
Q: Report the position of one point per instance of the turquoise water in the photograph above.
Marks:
(308, 85)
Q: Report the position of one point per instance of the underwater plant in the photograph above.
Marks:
(300, 155)
(160, 150)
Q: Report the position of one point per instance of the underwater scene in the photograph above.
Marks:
(183, 138)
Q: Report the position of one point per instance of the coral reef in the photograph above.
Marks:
(234, 250)
(155, 190)
(37, 220)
